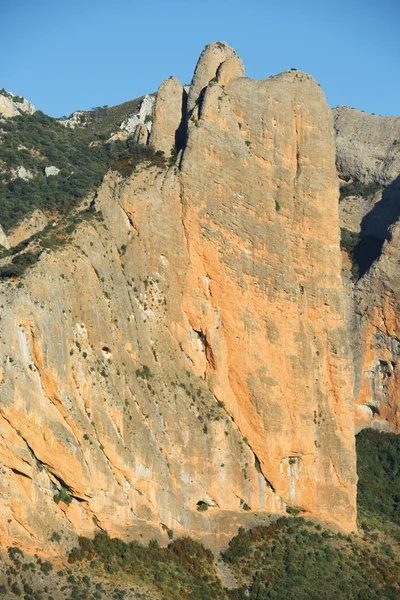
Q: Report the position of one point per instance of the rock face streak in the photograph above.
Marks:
(190, 351)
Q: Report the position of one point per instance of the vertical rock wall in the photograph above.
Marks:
(189, 350)
(377, 300)
(263, 296)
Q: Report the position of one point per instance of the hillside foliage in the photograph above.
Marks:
(378, 456)
(82, 155)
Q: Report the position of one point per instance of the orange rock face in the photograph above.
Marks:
(192, 347)
(377, 294)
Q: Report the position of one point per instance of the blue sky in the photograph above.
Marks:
(71, 55)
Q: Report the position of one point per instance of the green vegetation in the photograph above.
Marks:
(129, 154)
(17, 99)
(62, 496)
(18, 265)
(357, 188)
(183, 570)
(37, 141)
(144, 372)
(378, 456)
(349, 241)
(292, 511)
(294, 558)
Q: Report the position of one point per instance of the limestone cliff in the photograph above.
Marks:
(368, 150)
(13, 106)
(367, 145)
(189, 351)
(378, 294)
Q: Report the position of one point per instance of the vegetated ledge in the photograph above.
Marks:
(15, 261)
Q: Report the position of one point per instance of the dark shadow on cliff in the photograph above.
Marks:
(375, 227)
(180, 134)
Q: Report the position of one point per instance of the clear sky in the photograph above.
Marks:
(68, 55)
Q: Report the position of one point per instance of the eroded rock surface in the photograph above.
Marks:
(368, 150)
(32, 224)
(168, 129)
(13, 106)
(3, 239)
(368, 146)
(190, 351)
(378, 294)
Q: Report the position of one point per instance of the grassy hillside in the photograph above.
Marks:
(38, 141)
(107, 120)
(35, 142)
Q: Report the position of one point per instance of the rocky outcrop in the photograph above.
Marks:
(13, 106)
(183, 365)
(250, 195)
(3, 239)
(210, 61)
(32, 224)
(368, 158)
(143, 116)
(51, 171)
(368, 146)
(168, 126)
(22, 173)
(76, 119)
(141, 135)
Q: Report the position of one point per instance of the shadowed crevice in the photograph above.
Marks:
(376, 227)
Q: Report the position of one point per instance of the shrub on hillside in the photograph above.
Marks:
(357, 188)
(378, 466)
(36, 141)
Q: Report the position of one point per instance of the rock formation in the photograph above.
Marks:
(32, 224)
(143, 116)
(378, 306)
(367, 145)
(188, 352)
(212, 59)
(22, 173)
(368, 150)
(3, 239)
(12, 106)
(167, 116)
(141, 134)
(51, 171)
